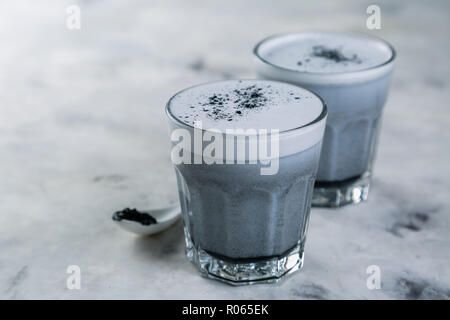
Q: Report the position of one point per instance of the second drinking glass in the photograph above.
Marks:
(351, 72)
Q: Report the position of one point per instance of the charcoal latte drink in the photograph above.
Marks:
(351, 72)
(245, 218)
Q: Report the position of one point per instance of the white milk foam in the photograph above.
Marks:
(296, 113)
(324, 52)
(246, 104)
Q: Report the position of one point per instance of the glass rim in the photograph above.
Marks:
(280, 35)
(320, 117)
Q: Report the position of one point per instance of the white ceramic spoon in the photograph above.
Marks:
(149, 221)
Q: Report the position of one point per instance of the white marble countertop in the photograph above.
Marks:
(83, 134)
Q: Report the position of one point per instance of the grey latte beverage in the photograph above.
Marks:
(351, 72)
(246, 216)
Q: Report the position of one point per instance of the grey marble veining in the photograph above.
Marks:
(83, 134)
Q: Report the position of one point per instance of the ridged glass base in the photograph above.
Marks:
(339, 194)
(240, 272)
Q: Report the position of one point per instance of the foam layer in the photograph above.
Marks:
(245, 104)
(324, 52)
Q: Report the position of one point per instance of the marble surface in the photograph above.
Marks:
(83, 134)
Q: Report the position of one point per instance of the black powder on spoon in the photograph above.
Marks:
(134, 215)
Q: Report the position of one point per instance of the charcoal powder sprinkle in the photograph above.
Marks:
(251, 98)
(331, 54)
